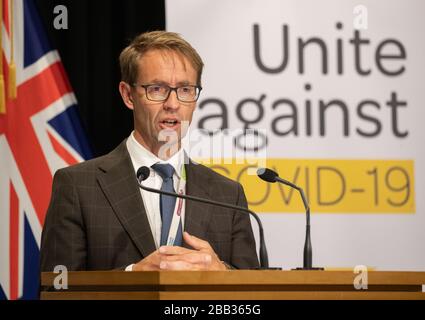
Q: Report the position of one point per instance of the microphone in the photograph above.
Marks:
(144, 172)
(271, 176)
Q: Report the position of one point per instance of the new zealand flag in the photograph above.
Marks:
(39, 133)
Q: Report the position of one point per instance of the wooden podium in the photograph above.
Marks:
(233, 285)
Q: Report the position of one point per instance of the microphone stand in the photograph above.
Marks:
(308, 250)
(264, 260)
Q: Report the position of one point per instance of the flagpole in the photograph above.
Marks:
(12, 65)
(2, 91)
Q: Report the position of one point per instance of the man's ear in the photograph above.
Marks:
(125, 91)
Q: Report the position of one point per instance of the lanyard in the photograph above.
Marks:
(178, 208)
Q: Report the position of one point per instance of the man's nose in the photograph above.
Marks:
(172, 102)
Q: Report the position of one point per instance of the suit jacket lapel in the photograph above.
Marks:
(197, 215)
(119, 184)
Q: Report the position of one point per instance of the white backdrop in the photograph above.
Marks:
(359, 231)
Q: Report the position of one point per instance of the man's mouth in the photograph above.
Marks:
(169, 123)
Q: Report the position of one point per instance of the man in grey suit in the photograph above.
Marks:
(99, 219)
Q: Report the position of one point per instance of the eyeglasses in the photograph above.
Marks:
(161, 92)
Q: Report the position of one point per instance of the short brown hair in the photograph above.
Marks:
(160, 40)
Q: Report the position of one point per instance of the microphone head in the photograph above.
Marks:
(267, 174)
(143, 173)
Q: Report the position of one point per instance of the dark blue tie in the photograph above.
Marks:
(167, 203)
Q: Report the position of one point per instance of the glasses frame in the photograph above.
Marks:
(145, 86)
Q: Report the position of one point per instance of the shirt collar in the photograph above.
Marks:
(140, 156)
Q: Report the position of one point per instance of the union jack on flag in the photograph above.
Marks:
(40, 132)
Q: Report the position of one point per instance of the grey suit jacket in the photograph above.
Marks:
(96, 219)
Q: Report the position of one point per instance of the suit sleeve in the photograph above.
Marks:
(63, 240)
(244, 255)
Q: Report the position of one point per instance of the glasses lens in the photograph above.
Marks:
(157, 92)
(188, 93)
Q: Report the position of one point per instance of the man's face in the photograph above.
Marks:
(155, 120)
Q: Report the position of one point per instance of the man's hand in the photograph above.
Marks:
(150, 263)
(202, 257)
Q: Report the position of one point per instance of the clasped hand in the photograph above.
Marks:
(201, 257)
